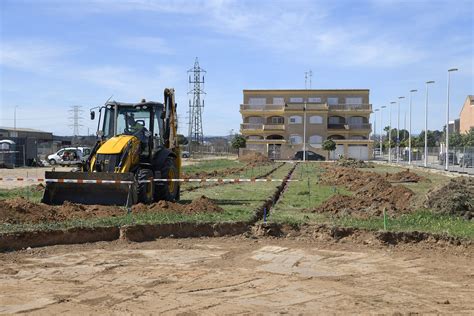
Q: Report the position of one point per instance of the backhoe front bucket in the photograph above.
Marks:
(101, 188)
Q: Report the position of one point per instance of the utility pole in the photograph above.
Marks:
(196, 82)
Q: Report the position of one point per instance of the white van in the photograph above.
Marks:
(69, 156)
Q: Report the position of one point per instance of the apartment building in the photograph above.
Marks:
(273, 122)
(466, 117)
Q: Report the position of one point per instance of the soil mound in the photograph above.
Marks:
(404, 176)
(372, 194)
(353, 163)
(200, 205)
(20, 210)
(254, 157)
(454, 198)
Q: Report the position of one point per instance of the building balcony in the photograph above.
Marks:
(266, 141)
(274, 127)
(363, 126)
(309, 106)
(350, 107)
(261, 127)
(261, 108)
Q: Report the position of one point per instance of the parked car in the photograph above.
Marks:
(309, 156)
(185, 154)
(467, 160)
(69, 156)
(453, 159)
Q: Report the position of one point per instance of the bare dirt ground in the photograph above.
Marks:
(237, 275)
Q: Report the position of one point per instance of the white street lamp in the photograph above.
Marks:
(14, 117)
(426, 124)
(381, 127)
(390, 132)
(304, 131)
(409, 127)
(398, 130)
(447, 120)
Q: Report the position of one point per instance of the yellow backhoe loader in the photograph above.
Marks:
(137, 145)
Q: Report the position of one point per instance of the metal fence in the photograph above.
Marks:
(460, 159)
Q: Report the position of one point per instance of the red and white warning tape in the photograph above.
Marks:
(216, 180)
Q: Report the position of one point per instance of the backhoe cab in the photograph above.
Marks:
(137, 144)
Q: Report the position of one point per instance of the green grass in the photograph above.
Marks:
(30, 193)
(421, 220)
(211, 165)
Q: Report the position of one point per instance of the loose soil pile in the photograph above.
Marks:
(19, 210)
(254, 157)
(372, 194)
(353, 163)
(200, 205)
(405, 176)
(453, 198)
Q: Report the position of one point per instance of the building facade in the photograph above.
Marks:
(273, 122)
(466, 117)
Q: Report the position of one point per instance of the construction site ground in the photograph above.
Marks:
(237, 275)
(319, 243)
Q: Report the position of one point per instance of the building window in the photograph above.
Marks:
(296, 119)
(296, 139)
(254, 137)
(279, 101)
(357, 137)
(316, 119)
(296, 100)
(356, 120)
(336, 120)
(257, 101)
(316, 141)
(333, 101)
(277, 120)
(354, 101)
(314, 100)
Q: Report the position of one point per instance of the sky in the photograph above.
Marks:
(60, 53)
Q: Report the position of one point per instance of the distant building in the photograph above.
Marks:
(30, 144)
(466, 117)
(454, 126)
(272, 121)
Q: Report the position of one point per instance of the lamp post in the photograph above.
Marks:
(398, 129)
(409, 126)
(447, 120)
(426, 123)
(375, 125)
(381, 127)
(304, 131)
(14, 117)
(390, 132)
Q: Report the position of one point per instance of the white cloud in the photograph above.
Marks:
(148, 44)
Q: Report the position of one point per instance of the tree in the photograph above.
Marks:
(468, 138)
(329, 145)
(455, 140)
(238, 142)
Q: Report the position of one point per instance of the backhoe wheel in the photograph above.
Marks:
(146, 186)
(169, 190)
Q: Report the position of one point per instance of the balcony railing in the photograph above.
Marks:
(251, 126)
(274, 127)
(350, 107)
(266, 107)
(362, 126)
(309, 106)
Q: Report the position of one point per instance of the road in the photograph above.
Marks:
(235, 276)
